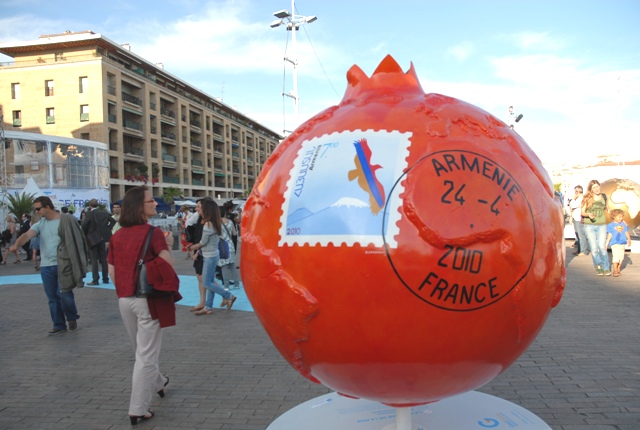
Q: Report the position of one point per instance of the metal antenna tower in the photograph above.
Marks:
(3, 158)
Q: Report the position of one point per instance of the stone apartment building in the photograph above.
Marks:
(158, 128)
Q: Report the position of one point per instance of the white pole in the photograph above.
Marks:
(403, 418)
(294, 92)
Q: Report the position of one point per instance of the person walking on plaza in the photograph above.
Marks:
(144, 318)
(619, 238)
(575, 205)
(594, 211)
(115, 213)
(228, 265)
(198, 260)
(97, 225)
(13, 229)
(63, 261)
(186, 215)
(209, 245)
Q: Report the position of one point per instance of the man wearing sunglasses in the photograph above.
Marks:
(63, 261)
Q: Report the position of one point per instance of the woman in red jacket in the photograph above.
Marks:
(145, 329)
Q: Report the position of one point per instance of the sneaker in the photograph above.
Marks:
(73, 325)
(607, 273)
(55, 331)
(94, 283)
(599, 271)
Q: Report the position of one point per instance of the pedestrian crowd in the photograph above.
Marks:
(588, 213)
(123, 248)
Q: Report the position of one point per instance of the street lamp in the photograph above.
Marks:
(293, 23)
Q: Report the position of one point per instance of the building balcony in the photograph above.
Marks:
(111, 90)
(132, 125)
(168, 136)
(17, 122)
(169, 158)
(51, 119)
(131, 99)
(170, 179)
(112, 118)
(130, 150)
(84, 117)
(168, 113)
(197, 181)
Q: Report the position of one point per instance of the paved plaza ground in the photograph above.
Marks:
(582, 372)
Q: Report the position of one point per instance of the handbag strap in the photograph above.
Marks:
(224, 225)
(145, 246)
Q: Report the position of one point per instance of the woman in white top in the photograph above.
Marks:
(211, 230)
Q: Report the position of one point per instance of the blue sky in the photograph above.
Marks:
(571, 67)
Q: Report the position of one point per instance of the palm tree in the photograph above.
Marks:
(20, 203)
(170, 194)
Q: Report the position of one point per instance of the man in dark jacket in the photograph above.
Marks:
(97, 225)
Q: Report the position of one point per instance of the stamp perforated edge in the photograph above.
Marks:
(393, 204)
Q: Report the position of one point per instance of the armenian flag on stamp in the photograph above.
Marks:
(342, 189)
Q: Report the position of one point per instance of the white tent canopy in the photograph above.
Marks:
(32, 188)
(189, 203)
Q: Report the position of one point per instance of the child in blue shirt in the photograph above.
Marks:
(619, 238)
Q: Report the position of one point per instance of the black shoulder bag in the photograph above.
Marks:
(143, 289)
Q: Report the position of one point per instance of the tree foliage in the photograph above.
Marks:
(170, 194)
(20, 203)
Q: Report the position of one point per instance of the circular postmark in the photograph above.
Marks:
(467, 235)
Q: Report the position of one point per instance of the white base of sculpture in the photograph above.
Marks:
(472, 410)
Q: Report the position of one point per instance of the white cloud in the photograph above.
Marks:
(572, 110)
(461, 51)
(381, 47)
(529, 40)
(222, 39)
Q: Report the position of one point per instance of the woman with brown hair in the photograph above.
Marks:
(211, 230)
(594, 212)
(143, 317)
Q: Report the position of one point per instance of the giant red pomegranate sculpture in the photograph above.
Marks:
(402, 247)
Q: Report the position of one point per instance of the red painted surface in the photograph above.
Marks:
(478, 265)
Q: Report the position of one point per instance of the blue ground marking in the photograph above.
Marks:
(188, 289)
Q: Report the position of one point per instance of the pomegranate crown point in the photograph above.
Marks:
(387, 74)
(388, 65)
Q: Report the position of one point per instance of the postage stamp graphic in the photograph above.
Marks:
(341, 185)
